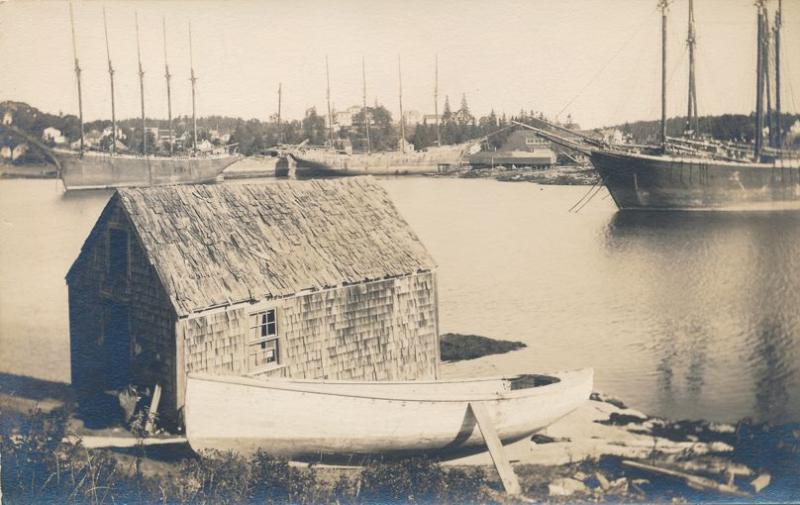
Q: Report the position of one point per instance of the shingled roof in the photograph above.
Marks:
(218, 244)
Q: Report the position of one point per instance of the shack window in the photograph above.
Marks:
(118, 253)
(263, 350)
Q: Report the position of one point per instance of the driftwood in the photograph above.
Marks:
(693, 481)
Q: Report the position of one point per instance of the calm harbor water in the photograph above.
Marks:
(687, 315)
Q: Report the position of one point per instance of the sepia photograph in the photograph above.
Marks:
(399, 252)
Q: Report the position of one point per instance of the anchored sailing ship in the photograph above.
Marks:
(85, 169)
(686, 174)
(321, 162)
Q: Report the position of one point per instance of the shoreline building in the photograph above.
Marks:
(522, 149)
(315, 280)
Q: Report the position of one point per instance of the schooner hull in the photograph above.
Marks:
(642, 182)
(308, 419)
(327, 164)
(99, 170)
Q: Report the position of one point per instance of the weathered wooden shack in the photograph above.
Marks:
(319, 279)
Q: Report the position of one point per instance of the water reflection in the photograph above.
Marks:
(717, 285)
(773, 367)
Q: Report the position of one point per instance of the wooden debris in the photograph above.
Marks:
(604, 484)
(151, 413)
(761, 482)
(693, 481)
(99, 441)
(566, 487)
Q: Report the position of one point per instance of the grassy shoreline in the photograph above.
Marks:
(578, 458)
(41, 463)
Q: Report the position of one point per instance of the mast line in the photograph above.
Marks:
(141, 85)
(691, 115)
(759, 82)
(280, 96)
(111, 78)
(663, 4)
(193, 79)
(436, 102)
(767, 86)
(778, 125)
(77, 74)
(402, 117)
(167, 76)
(364, 98)
(328, 98)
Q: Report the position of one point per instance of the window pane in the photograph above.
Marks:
(271, 316)
(118, 253)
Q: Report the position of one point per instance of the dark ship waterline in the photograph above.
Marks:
(645, 182)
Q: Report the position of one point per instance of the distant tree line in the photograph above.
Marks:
(254, 136)
(727, 127)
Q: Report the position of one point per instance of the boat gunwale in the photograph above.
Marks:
(565, 381)
(613, 153)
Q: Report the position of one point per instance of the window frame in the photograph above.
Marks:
(251, 341)
(111, 278)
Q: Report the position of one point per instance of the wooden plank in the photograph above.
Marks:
(496, 450)
(151, 414)
(693, 481)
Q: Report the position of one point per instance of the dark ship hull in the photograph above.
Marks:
(644, 182)
(100, 170)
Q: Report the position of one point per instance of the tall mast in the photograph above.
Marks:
(663, 6)
(193, 79)
(167, 76)
(77, 73)
(691, 115)
(141, 85)
(111, 77)
(280, 96)
(767, 88)
(402, 116)
(436, 103)
(759, 81)
(328, 98)
(778, 126)
(365, 111)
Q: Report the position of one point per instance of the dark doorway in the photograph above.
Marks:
(117, 343)
(108, 369)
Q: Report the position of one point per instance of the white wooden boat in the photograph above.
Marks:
(303, 419)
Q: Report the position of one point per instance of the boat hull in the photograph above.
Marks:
(304, 421)
(642, 182)
(100, 170)
(318, 163)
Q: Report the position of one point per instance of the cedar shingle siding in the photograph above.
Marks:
(353, 288)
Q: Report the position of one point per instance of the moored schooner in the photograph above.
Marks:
(88, 169)
(690, 174)
(321, 162)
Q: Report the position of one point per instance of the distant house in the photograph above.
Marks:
(319, 279)
(344, 118)
(120, 134)
(613, 135)
(54, 135)
(431, 119)
(522, 148)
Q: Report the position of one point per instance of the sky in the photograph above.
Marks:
(598, 60)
